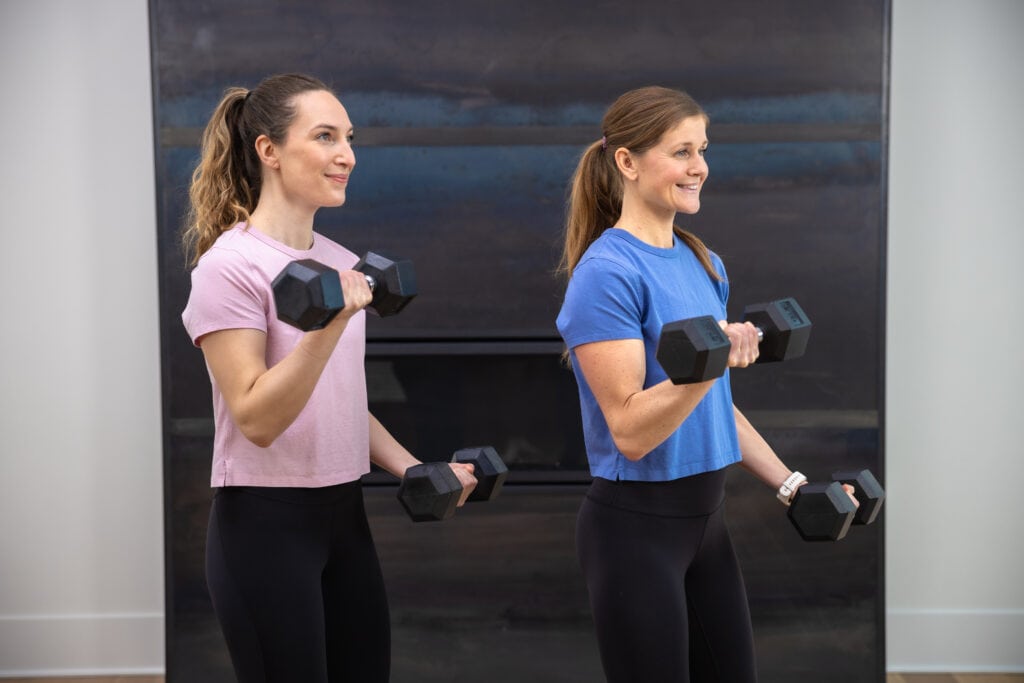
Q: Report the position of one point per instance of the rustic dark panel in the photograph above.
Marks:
(469, 118)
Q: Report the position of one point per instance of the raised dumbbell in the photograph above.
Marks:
(430, 491)
(783, 329)
(488, 468)
(868, 492)
(308, 294)
(697, 350)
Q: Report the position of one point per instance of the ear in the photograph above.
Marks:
(626, 163)
(267, 152)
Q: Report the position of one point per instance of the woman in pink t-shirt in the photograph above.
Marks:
(290, 562)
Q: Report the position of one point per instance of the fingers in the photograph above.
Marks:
(743, 337)
(850, 491)
(355, 292)
(464, 471)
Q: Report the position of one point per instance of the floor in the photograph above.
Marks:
(891, 678)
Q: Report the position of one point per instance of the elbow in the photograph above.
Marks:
(631, 453)
(258, 434)
(628, 445)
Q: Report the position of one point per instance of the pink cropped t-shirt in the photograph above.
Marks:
(328, 443)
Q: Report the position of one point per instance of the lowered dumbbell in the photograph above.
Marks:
(488, 468)
(697, 350)
(821, 512)
(308, 294)
(868, 492)
(430, 491)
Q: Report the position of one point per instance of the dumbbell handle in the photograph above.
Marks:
(371, 281)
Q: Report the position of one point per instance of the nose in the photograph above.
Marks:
(699, 166)
(346, 156)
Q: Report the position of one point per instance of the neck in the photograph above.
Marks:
(289, 227)
(657, 234)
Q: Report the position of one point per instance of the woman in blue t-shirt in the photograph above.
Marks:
(665, 587)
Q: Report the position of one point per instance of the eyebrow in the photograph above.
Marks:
(328, 126)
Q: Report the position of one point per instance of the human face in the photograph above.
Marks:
(316, 158)
(671, 174)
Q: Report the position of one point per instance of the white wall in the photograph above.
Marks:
(955, 543)
(81, 521)
(81, 558)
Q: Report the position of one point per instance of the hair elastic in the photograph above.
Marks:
(604, 142)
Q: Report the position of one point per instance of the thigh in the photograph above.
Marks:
(721, 637)
(634, 565)
(264, 560)
(355, 601)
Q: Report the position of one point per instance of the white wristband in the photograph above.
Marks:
(789, 487)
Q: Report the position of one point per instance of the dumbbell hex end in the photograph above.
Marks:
(429, 492)
(489, 469)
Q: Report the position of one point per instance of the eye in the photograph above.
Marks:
(325, 137)
(351, 137)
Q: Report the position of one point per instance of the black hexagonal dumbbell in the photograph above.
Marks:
(488, 468)
(821, 512)
(868, 492)
(429, 492)
(783, 329)
(693, 350)
(697, 350)
(308, 294)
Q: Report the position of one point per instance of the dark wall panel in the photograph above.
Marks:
(469, 119)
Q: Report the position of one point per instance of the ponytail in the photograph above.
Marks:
(224, 190)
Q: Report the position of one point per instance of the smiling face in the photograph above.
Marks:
(316, 158)
(669, 176)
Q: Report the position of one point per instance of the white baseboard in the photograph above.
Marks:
(950, 640)
(81, 645)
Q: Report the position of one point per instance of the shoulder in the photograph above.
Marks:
(332, 253)
(608, 254)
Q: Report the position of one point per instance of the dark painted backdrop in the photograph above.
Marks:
(470, 116)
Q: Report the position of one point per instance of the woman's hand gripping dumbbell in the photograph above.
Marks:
(825, 511)
(697, 349)
(431, 491)
(308, 294)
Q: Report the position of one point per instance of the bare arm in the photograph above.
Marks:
(758, 457)
(264, 402)
(760, 460)
(391, 456)
(640, 419)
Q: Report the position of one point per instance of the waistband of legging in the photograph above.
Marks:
(693, 496)
(320, 495)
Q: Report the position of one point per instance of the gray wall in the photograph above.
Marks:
(81, 541)
(81, 587)
(955, 534)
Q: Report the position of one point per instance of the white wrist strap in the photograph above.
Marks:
(789, 487)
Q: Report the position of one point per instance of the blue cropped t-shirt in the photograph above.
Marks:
(624, 288)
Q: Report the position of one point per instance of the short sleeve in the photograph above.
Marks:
(604, 301)
(227, 293)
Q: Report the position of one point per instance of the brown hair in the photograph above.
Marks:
(226, 183)
(636, 121)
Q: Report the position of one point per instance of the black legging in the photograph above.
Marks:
(296, 584)
(665, 587)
